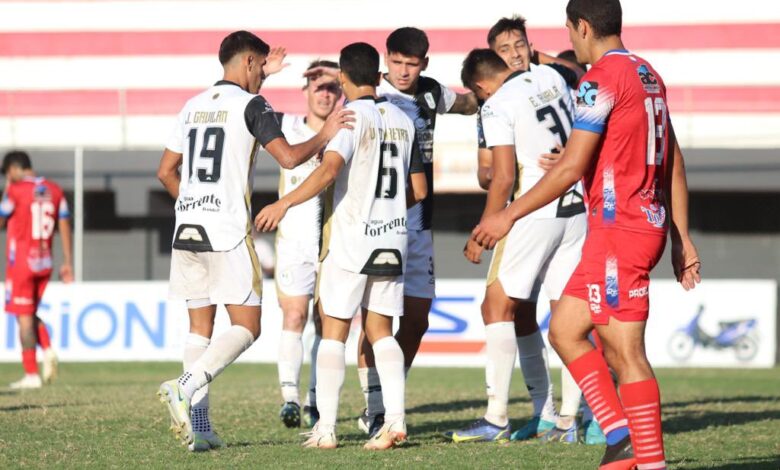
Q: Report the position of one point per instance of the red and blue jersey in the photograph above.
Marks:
(624, 99)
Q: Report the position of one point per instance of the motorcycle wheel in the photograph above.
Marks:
(745, 348)
(680, 346)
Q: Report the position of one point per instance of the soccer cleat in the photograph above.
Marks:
(370, 424)
(619, 456)
(537, 427)
(28, 382)
(50, 369)
(203, 441)
(291, 414)
(593, 433)
(310, 415)
(317, 439)
(178, 404)
(567, 436)
(387, 436)
(481, 430)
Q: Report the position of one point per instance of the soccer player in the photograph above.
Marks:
(624, 146)
(33, 207)
(509, 39)
(297, 249)
(364, 241)
(215, 142)
(526, 113)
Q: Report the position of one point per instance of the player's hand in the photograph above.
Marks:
(66, 273)
(491, 229)
(339, 119)
(275, 63)
(269, 217)
(473, 252)
(686, 264)
(549, 160)
(316, 72)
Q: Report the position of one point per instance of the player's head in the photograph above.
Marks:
(569, 55)
(323, 91)
(509, 40)
(359, 63)
(483, 72)
(243, 55)
(591, 21)
(15, 163)
(406, 57)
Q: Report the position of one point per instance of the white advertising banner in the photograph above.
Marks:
(722, 323)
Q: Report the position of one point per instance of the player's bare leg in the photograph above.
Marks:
(330, 378)
(28, 339)
(624, 349)
(412, 326)
(570, 325)
(389, 359)
(295, 313)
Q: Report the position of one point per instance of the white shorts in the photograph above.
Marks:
(222, 277)
(419, 279)
(538, 253)
(296, 268)
(342, 293)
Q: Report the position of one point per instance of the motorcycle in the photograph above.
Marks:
(738, 335)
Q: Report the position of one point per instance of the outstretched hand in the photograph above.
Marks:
(274, 62)
(316, 72)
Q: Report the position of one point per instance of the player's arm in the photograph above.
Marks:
(484, 167)
(66, 237)
(7, 204)
(685, 258)
(577, 72)
(465, 103)
(575, 161)
(168, 172)
(320, 178)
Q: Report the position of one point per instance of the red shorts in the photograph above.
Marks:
(24, 290)
(614, 274)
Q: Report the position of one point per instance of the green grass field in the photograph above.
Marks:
(107, 415)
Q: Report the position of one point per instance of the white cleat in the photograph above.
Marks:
(178, 404)
(389, 435)
(319, 439)
(203, 441)
(50, 366)
(29, 381)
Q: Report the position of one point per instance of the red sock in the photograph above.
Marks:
(642, 404)
(29, 362)
(43, 336)
(592, 376)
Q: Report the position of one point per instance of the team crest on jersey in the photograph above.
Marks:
(429, 100)
(586, 95)
(216, 95)
(649, 82)
(656, 215)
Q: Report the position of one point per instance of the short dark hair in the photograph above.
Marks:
(604, 16)
(238, 42)
(480, 64)
(319, 63)
(504, 25)
(16, 158)
(360, 61)
(408, 41)
(571, 56)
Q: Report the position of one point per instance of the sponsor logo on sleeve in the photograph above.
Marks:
(586, 95)
(429, 100)
(649, 82)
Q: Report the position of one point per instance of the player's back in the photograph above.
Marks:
(365, 212)
(212, 210)
(623, 98)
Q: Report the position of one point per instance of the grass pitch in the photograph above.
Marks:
(106, 415)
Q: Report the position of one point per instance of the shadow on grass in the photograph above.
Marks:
(721, 399)
(11, 409)
(694, 421)
(740, 463)
(458, 405)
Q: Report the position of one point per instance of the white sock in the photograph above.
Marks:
(570, 394)
(390, 370)
(194, 347)
(501, 349)
(311, 396)
(289, 365)
(221, 352)
(363, 379)
(330, 378)
(536, 372)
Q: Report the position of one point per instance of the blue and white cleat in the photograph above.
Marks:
(178, 405)
(594, 436)
(537, 427)
(481, 430)
(290, 414)
(567, 436)
(310, 415)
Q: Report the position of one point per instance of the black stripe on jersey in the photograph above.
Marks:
(262, 121)
(569, 75)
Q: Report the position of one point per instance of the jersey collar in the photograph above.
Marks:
(617, 52)
(514, 74)
(381, 99)
(226, 82)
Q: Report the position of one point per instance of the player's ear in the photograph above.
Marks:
(425, 63)
(378, 79)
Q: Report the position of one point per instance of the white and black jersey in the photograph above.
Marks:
(217, 133)
(430, 99)
(365, 209)
(532, 111)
